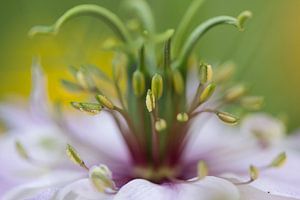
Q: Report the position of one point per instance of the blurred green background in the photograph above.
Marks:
(267, 53)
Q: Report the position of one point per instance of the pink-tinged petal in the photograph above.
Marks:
(81, 189)
(52, 181)
(15, 115)
(267, 130)
(222, 147)
(100, 133)
(44, 146)
(249, 192)
(210, 188)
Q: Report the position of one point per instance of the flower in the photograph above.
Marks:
(148, 140)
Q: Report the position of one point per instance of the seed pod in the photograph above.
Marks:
(105, 102)
(138, 83)
(227, 118)
(157, 86)
(207, 92)
(178, 82)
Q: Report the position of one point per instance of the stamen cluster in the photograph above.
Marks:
(149, 89)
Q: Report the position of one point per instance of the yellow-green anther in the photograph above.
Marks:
(235, 93)
(202, 169)
(77, 106)
(101, 177)
(150, 101)
(160, 125)
(74, 156)
(157, 86)
(242, 18)
(104, 101)
(279, 161)
(253, 172)
(21, 150)
(252, 102)
(206, 73)
(81, 78)
(182, 117)
(178, 82)
(207, 92)
(224, 72)
(138, 83)
(91, 108)
(227, 117)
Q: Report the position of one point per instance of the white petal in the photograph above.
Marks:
(81, 189)
(210, 188)
(249, 192)
(52, 181)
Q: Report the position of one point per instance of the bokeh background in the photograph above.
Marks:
(267, 53)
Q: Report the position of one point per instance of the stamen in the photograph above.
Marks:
(279, 161)
(73, 87)
(104, 101)
(182, 117)
(82, 79)
(207, 93)
(75, 157)
(178, 82)
(224, 72)
(21, 150)
(157, 86)
(202, 169)
(226, 117)
(91, 108)
(150, 101)
(252, 102)
(206, 73)
(253, 173)
(160, 125)
(138, 83)
(101, 177)
(235, 93)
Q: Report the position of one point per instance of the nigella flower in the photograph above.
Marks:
(154, 130)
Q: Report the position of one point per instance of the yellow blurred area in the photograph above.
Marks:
(56, 54)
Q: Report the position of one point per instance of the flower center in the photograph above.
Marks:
(156, 175)
(149, 104)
